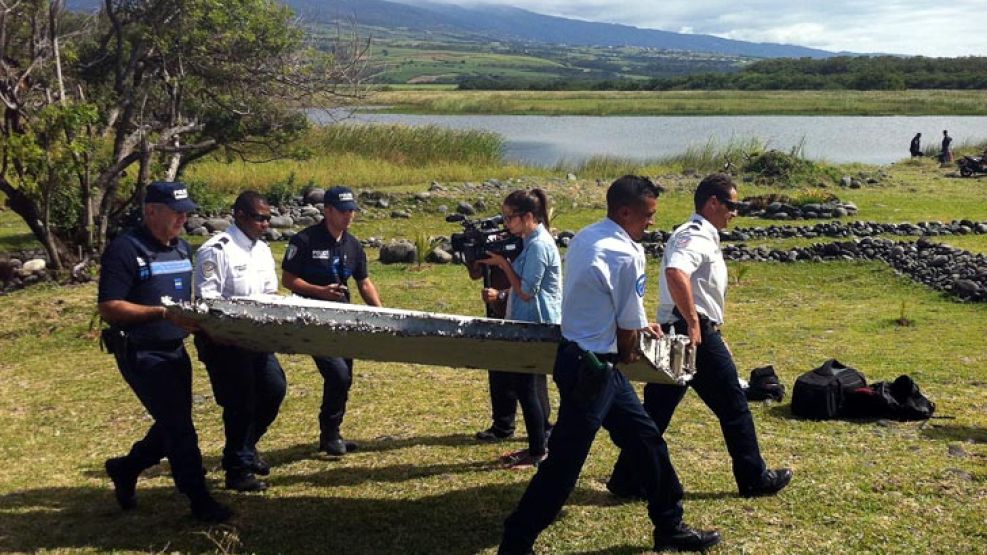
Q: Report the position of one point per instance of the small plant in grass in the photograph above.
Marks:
(903, 319)
(740, 274)
(423, 245)
(281, 192)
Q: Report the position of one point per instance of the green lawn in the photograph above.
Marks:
(421, 485)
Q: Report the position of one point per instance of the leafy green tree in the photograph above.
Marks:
(97, 107)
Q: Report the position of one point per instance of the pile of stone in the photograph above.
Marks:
(854, 229)
(955, 271)
(19, 271)
(812, 211)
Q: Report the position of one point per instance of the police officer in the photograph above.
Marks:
(139, 268)
(318, 264)
(250, 386)
(602, 317)
(693, 284)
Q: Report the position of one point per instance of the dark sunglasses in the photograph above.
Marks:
(258, 217)
(731, 205)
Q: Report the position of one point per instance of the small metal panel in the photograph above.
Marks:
(305, 326)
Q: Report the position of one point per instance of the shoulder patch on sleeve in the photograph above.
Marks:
(642, 285)
(290, 252)
(208, 268)
(224, 239)
(682, 241)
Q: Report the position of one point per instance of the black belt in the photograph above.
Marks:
(612, 358)
(703, 321)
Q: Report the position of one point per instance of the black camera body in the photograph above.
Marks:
(480, 236)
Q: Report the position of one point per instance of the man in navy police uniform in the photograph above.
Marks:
(318, 264)
(139, 268)
(602, 317)
(250, 386)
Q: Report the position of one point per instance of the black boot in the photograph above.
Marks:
(207, 509)
(242, 480)
(771, 483)
(124, 478)
(683, 538)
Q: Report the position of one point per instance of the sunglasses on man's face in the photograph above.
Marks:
(731, 205)
(258, 217)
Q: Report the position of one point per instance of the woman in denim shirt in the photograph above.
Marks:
(535, 295)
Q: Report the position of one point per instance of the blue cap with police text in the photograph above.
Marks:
(172, 194)
(341, 198)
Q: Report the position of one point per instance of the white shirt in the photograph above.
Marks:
(602, 287)
(229, 264)
(694, 248)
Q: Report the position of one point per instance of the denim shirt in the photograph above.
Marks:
(539, 268)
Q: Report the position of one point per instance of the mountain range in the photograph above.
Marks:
(504, 23)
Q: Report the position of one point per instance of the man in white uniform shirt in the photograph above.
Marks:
(602, 315)
(248, 385)
(693, 284)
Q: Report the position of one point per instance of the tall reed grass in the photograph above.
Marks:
(406, 145)
(709, 157)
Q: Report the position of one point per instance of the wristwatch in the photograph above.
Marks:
(502, 295)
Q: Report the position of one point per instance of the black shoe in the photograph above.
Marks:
(351, 446)
(244, 481)
(207, 509)
(260, 466)
(493, 434)
(124, 482)
(683, 538)
(772, 482)
(334, 447)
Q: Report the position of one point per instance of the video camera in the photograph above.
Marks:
(480, 236)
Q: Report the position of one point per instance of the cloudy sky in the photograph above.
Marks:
(918, 27)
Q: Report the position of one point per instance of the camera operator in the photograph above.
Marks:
(533, 294)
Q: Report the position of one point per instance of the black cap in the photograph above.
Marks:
(341, 198)
(172, 194)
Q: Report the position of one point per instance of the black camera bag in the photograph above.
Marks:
(898, 400)
(764, 384)
(821, 393)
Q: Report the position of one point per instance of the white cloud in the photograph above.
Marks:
(917, 27)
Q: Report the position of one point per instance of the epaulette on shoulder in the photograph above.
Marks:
(695, 226)
(220, 242)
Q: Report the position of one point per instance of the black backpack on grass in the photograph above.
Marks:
(764, 384)
(821, 394)
(897, 400)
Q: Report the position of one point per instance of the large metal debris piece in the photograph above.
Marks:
(306, 326)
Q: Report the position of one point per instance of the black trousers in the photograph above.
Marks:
(616, 408)
(505, 396)
(250, 387)
(716, 384)
(337, 378)
(161, 377)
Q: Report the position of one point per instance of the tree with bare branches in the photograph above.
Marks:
(97, 106)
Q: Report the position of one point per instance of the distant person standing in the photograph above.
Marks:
(318, 264)
(249, 385)
(916, 146)
(946, 155)
(138, 269)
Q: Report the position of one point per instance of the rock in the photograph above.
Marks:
(957, 451)
(201, 231)
(311, 212)
(34, 266)
(383, 202)
(855, 184)
(966, 288)
(397, 252)
(435, 186)
(465, 208)
(960, 474)
(272, 234)
(216, 224)
(442, 209)
(282, 222)
(570, 177)
(439, 256)
(194, 222)
(306, 221)
(839, 212)
(423, 196)
(315, 195)
(402, 214)
(480, 205)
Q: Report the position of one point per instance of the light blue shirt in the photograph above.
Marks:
(539, 267)
(604, 287)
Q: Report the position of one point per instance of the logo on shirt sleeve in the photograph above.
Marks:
(682, 242)
(641, 286)
(209, 268)
(290, 252)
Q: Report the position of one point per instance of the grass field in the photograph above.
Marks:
(684, 103)
(421, 485)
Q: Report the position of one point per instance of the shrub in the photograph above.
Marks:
(282, 192)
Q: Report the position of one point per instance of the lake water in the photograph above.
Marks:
(546, 140)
